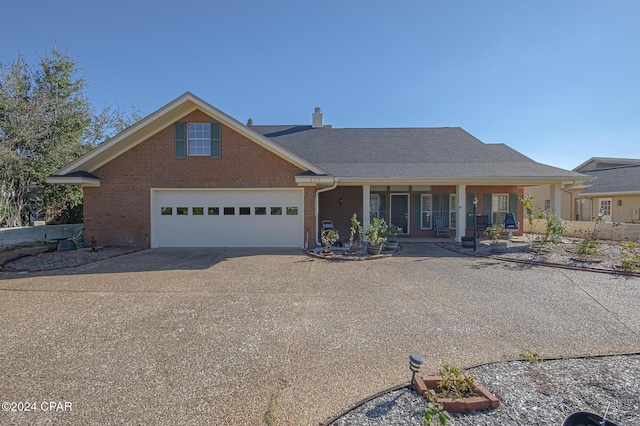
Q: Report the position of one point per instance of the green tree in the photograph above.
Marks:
(46, 121)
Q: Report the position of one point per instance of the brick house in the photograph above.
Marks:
(188, 175)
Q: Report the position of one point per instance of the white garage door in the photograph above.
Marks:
(227, 218)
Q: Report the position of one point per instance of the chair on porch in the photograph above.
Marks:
(327, 225)
(482, 223)
(439, 227)
(510, 224)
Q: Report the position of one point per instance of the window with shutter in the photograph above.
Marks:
(374, 206)
(197, 139)
(425, 211)
(499, 208)
(453, 211)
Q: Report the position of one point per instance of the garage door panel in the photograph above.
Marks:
(265, 229)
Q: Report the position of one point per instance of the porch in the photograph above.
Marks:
(413, 208)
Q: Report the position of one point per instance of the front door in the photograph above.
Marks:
(604, 208)
(400, 211)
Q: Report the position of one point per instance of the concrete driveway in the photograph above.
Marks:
(210, 336)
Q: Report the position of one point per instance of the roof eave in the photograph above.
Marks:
(73, 180)
(478, 180)
(608, 194)
(162, 118)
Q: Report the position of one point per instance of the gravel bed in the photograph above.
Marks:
(608, 258)
(541, 393)
(64, 259)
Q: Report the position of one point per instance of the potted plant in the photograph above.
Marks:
(391, 234)
(375, 235)
(329, 238)
(356, 235)
(494, 233)
(457, 391)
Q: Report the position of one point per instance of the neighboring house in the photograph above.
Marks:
(614, 191)
(190, 175)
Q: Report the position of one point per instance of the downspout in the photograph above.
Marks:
(335, 184)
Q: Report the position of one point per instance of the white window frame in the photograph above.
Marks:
(374, 206)
(201, 142)
(547, 205)
(498, 215)
(423, 210)
(453, 211)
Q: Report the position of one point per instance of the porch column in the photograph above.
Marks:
(366, 192)
(556, 199)
(461, 222)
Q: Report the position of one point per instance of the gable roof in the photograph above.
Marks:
(448, 154)
(614, 180)
(438, 155)
(597, 163)
(160, 119)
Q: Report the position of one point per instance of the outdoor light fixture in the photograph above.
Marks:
(415, 362)
(475, 222)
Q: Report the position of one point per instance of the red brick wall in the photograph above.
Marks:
(118, 211)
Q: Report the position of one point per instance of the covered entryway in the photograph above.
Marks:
(227, 218)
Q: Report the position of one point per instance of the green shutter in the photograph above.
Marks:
(417, 201)
(445, 209)
(216, 147)
(435, 205)
(488, 200)
(181, 143)
(383, 207)
(513, 205)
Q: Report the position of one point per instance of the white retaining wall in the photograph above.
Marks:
(28, 234)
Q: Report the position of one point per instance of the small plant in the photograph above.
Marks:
(630, 256)
(532, 357)
(434, 412)
(556, 227)
(527, 205)
(392, 232)
(455, 383)
(494, 233)
(329, 238)
(376, 232)
(588, 246)
(356, 230)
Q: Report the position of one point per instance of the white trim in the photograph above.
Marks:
(391, 195)
(430, 211)
(467, 180)
(453, 201)
(73, 180)
(165, 116)
(605, 217)
(606, 194)
(366, 206)
(461, 200)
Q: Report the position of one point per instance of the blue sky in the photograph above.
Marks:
(558, 81)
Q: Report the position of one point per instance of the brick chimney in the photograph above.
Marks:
(317, 120)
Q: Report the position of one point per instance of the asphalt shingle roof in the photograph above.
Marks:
(429, 153)
(615, 179)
